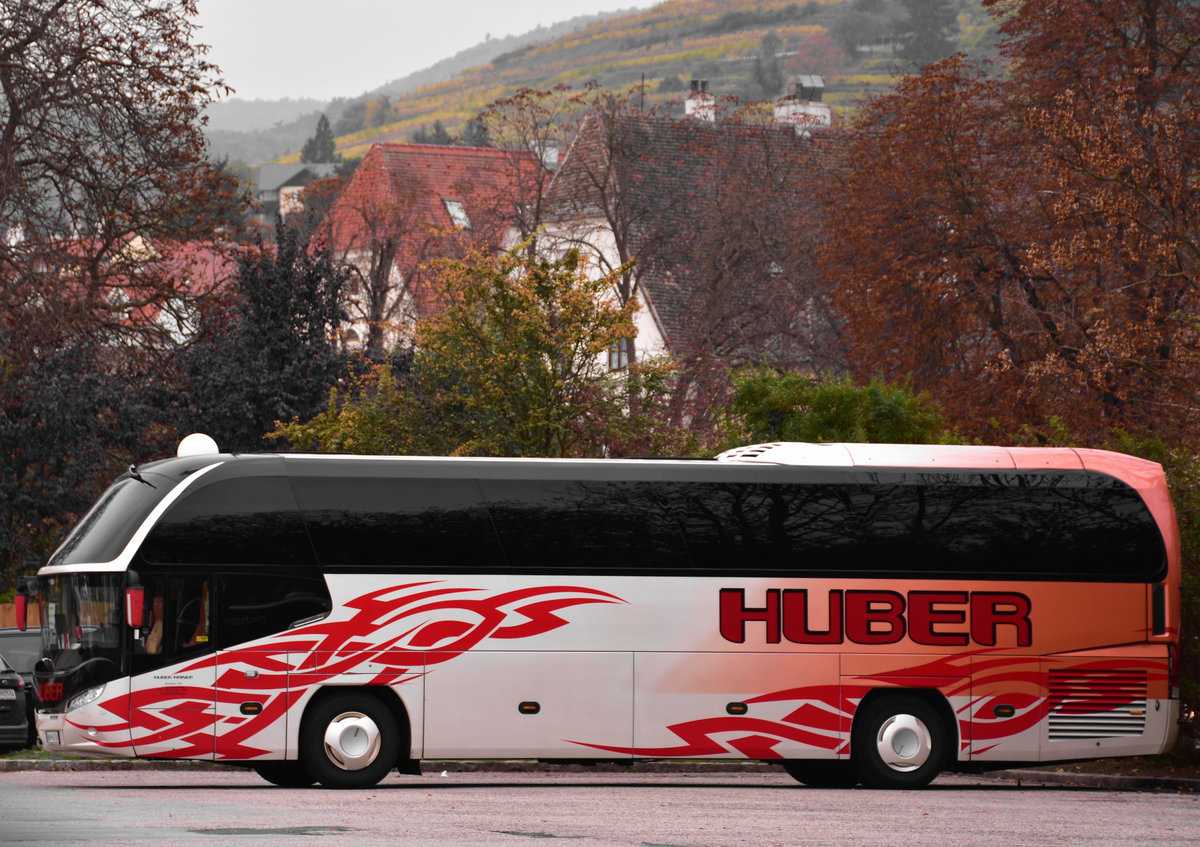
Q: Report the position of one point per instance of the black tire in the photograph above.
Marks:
(285, 774)
(821, 773)
(349, 740)
(899, 741)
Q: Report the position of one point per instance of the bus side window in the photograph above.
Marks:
(256, 605)
(176, 622)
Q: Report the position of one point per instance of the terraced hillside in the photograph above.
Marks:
(742, 47)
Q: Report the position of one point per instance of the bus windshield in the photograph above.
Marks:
(105, 530)
(82, 630)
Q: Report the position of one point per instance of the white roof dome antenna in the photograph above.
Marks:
(197, 444)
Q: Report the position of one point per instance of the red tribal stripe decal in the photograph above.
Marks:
(823, 714)
(395, 634)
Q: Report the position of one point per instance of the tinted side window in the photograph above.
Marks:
(400, 523)
(1039, 526)
(177, 620)
(241, 521)
(603, 525)
(254, 605)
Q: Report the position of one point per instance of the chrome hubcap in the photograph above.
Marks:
(352, 741)
(904, 743)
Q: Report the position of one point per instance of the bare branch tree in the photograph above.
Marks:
(100, 144)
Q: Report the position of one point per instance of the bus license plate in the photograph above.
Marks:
(7, 694)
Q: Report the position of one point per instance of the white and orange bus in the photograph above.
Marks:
(858, 613)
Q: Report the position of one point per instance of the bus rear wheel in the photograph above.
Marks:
(898, 741)
(349, 740)
(821, 773)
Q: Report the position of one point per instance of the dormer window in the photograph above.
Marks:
(457, 213)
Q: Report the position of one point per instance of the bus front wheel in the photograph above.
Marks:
(349, 740)
(898, 741)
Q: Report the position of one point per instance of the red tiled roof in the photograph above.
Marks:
(402, 189)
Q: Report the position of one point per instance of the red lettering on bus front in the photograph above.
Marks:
(931, 618)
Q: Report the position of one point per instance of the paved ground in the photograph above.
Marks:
(202, 807)
(1124, 782)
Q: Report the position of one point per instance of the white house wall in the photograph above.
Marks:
(597, 246)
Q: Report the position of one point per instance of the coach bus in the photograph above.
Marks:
(857, 613)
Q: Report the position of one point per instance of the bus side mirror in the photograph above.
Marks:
(21, 605)
(135, 599)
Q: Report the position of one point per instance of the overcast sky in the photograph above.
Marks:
(340, 48)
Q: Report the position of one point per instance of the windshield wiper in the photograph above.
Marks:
(133, 472)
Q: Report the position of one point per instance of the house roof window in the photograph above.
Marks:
(457, 213)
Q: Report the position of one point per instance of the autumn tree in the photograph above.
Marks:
(745, 259)
(595, 204)
(541, 121)
(103, 166)
(715, 225)
(1024, 246)
(818, 54)
(100, 143)
(512, 366)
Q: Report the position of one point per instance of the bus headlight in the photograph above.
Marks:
(81, 700)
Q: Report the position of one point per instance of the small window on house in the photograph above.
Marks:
(457, 214)
(620, 355)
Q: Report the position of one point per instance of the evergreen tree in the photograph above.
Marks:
(932, 26)
(772, 406)
(320, 147)
(475, 134)
(768, 69)
(439, 134)
(270, 355)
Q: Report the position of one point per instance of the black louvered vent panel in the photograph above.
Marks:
(1097, 704)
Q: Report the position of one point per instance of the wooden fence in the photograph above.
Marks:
(8, 615)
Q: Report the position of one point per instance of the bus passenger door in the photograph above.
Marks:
(259, 658)
(171, 695)
(529, 704)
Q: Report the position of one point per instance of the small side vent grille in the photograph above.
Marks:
(754, 451)
(1097, 704)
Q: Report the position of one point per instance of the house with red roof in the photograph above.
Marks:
(135, 287)
(407, 204)
(719, 219)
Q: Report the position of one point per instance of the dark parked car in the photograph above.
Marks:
(14, 717)
(20, 650)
